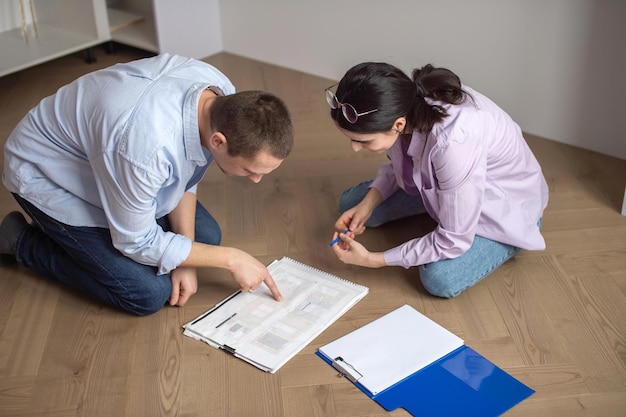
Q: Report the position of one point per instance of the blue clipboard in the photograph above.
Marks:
(461, 383)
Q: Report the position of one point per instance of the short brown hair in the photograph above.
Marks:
(253, 121)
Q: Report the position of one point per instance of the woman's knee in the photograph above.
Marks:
(448, 278)
(353, 195)
(439, 283)
(439, 290)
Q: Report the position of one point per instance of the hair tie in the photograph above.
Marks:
(421, 92)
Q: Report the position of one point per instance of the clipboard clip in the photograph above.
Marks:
(228, 349)
(346, 370)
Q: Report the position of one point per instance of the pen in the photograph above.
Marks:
(337, 239)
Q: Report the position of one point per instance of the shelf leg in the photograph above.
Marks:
(110, 48)
(91, 58)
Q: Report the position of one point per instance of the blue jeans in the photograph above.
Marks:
(84, 258)
(445, 278)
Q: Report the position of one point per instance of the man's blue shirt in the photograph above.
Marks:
(118, 148)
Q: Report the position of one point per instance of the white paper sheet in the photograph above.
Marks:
(391, 348)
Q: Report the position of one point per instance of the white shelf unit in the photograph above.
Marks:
(133, 27)
(191, 27)
(63, 27)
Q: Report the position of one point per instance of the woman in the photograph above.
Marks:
(453, 154)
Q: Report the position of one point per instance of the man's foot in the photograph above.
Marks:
(10, 229)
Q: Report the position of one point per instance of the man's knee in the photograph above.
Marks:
(207, 229)
(211, 234)
(214, 237)
(150, 299)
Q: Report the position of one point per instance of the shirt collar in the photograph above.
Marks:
(191, 130)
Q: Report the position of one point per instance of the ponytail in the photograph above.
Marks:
(439, 84)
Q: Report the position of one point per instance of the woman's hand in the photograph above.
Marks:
(349, 251)
(354, 219)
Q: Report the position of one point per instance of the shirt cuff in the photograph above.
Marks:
(176, 252)
(393, 257)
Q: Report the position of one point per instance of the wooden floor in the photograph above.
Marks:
(556, 319)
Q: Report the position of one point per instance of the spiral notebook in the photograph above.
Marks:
(266, 333)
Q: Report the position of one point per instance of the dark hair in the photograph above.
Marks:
(376, 85)
(440, 84)
(253, 121)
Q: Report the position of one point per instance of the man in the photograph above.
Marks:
(107, 169)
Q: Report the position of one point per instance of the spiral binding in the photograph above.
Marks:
(319, 271)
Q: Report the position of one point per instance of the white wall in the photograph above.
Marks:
(191, 27)
(557, 66)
